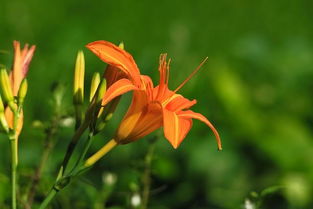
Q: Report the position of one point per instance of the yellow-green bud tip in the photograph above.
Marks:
(121, 45)
(6, 88)
(94, 85)
(22, 91)
(101, 90)
(79, 76)
(1, 105)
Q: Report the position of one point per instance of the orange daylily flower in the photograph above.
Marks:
(22, 59)
(116, 57)
(151, 107)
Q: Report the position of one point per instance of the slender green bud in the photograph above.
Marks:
(121, 45)
(78, 88)
(6, 88)
(22, 91)
(79, 76)
(102, 88)
(63, 182)
(94, 85)
(105, 114)
(3, 123)
(95, 106)
(1, 105)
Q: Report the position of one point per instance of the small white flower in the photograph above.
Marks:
(249, 204)
(135, 200)
(109, 178)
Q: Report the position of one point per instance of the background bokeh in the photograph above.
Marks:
(256, 88)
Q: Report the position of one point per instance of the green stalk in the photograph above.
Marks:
(70, 149)
(84, 152)
(64, 180)
(13, 143)
(59, 183)
(14, 156)
(146, 178)
(48, 199)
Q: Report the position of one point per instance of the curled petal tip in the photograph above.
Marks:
(175, 146)
(219, 143)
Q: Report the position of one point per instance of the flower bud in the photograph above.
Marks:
(78, 88)
(121, 45)
(22, 91)
(94, 85)
(102, 88)
(6, 88)
(79, 76)
(1, 106)
(3, 122)
(105, 114)
(94, 108)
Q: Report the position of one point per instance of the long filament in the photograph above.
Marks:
(191, 75)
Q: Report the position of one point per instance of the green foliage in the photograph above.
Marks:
(256, 89)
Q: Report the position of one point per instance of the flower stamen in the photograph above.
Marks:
(191, 75)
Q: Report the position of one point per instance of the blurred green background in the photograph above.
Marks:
(256, 88)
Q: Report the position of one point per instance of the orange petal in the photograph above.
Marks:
(117, 57)
(149, 120)
(17, 68)
(132, 116)
(27, 58)
(198, 116)
(21, 63)
(178, 103)
(120, 87)
(164, 76)
(147, 86)
(9, 116)
(175, 127)
(112, 74)
(164, 97)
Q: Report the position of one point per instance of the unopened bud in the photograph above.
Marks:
(79, 76)
(102, 88)
(3, 122)
(63, 182)
(6, 88)
(1, 105)
(22, 91)
(94, 85)
(106, 113)
(121, 45)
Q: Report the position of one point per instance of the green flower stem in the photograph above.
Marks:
(13, 136)
(47, 148)
(14, 162)
(70, 149)
(146, 178)
(48, 199)
(72, 145)
(84, 152)
(78, 170)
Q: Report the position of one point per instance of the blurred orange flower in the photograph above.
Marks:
(151, 107)
(22, 59)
